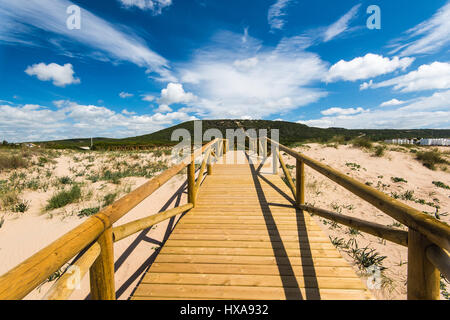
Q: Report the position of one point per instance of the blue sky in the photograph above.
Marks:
(137, 66)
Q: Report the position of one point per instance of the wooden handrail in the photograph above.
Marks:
(22, 279)
(395, 235)
(287, 175)
(126, 230)
(68, 282)
(440, 259)
(435, 230)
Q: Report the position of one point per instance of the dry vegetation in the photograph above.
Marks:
(70, 183)
(415, 175)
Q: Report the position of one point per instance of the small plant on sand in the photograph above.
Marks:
(440, 184)
(431, 158)
(398, 179)
(109, 199)
(366, 257)
(21, 207)
(362, 143)
(88, 212)
(63, 198)
(9, 199)
(2, 221)
(65, 180)
(353, 166)
(379, 151)
(443, 286)
(354, 232)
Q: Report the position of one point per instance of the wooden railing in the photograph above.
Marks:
(93, 240)
(427, 239)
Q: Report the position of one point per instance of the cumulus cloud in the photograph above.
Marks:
(174, 93)
(125, 95)
(427, 37)
(393, 102)
(342, 111)
(232, 79)
(155, 6)
(341, 25)
(20, 19)
(425, 112)
(371, 65)
(427, 77)
(164, 108)
(276, 14)
(33, 122)
(60, 75)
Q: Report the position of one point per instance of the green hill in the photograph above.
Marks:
(290, 132)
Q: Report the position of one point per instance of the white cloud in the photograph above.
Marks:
(430, 35)
(427, 77)
(174, 93)
(156, 6)
(425, 112)
(148, 98)
(125, 95)
(342, 111)
(371, 65)
(60, 75)
(276, 14)
(33, 122)
(232, 79)
(164, 108)
(19, 19)
(341, 25)
(128, 113)
(393, 102)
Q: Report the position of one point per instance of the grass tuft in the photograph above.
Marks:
(63, 198)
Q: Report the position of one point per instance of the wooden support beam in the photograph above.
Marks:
(378, 230)
(126, 230)
(202, 171)
(191, 182)
(300, 181)
(102, 271)
(423, 276)
(71, 279)
(288, 176)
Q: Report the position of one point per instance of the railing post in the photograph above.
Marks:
(102, 271)
(300, 182)
(209, 169)
(423, 276)
(191, 181)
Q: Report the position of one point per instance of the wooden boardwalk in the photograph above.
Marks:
(244, 240)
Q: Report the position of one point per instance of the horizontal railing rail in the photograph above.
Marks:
(96, 235)
(427, 239)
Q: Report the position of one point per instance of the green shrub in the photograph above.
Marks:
(379, 151)
(64, 198)
(88, 212)
(362, 143)
(109, 199)
(398, 179)
(12, 162)
(65, 180)
(440, 184)
(431, 158)
(21, 207)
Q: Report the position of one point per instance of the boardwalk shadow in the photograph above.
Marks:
(309, 273)
(287, 275)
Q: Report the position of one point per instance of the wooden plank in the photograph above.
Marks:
(244, 244)
(254, 281)
(260, 238)
(326, 253)
(241, 292)
(217, 268)
(258, 260)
